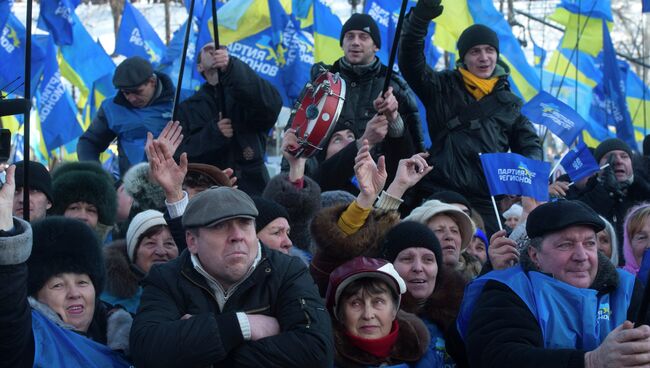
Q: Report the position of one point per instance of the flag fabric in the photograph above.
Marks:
(57, 17)
(511, 173)
(5, 10)
(645, 6)
(327, 31)
(582, 21)
(171, 60)
(84, 61)
(12, 54)
(561, 119)
(539, 55)
(610, 94)
(579, 162)
(136, 37)
(57, 112)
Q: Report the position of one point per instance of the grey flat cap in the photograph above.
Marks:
(216, 205)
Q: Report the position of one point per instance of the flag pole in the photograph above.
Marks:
(179, 84)
(393, 50)
(28, 98)
(496, 212)
(217, 45)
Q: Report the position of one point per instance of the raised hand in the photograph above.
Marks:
(625, 346)
(370, 175)
(165, 171)
(376, 130)
(409, 172)
(558, 189)
(7, 197)
(230, 173)
(503, 252)
(296, 164)
(171, 136)
(387, 105)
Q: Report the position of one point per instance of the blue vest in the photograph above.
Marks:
(130, 304)
(131, 125)
(569, 317)
(436, 356)
(57, 347)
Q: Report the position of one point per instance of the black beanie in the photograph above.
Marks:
(476, 34)
(609, 145)
(362, 22)
(408, 234)
(267, 212)
(39, 178)
(63, 245)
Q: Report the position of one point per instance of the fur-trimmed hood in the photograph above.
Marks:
(441, 308)
(302, 205)
(412, 343)
(332, 247)
(122, 277)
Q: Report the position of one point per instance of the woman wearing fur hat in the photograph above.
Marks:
(84, 191)
(50, 314)
(434, 290)
(148, 241)
(363, 297)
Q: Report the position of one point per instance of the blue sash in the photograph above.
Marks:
(569, 317)
(56, 347)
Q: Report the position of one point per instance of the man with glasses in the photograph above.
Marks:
(142, 104)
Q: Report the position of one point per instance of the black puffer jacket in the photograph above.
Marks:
(362, 88)
(280, 286)
(455, 150)
(253, 105)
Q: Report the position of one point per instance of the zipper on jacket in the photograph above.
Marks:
(303, 306)
(204, 288)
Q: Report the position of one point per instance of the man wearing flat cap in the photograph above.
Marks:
(228, 300)
(470, 110)
(564, 305)
(143, 103)
(615, 189)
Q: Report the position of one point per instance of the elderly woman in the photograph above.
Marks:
(453, 228)
(434, 290)
(608, 243)
(636, 236)
(50, 313)
(148, 241)
(363, 298)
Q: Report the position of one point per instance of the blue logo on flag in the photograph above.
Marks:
(579, 162)
(561, 119)
(510, 173)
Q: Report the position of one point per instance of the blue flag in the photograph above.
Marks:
(12, 54)
(644, 268)
(5, 10)
(539, 54)
(136, 37)
(645, 6)
(57, 18)
(579, 162)
(561, 119)
(510, 173)
(56, 109)
(609, 96)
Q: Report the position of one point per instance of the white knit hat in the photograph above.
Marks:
(434, 207)
(514, 211)
(142, 222)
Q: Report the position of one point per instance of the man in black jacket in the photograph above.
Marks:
(390, 123)
(231, 136)
(227, 300)
(565, 305)
(470, 110)
(142, 104)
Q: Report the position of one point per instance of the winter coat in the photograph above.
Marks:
(99, 135)
(455, 145)
(252, 104)
(27, 326)
(332, 247)
(279, 286)
(301, 204)
(122, 278)
(411, 346)
(361, 90)
(502, 331)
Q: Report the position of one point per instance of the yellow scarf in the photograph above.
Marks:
(478, 87)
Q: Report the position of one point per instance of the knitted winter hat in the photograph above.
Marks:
(146, 194)
(268, 211)
(514, 211)
(362, 22)
(39, 178)
(410, 234)
(142, 222)
(84, 182)
(334, 197)
(476, 34)
(609, 145)
(64, 245)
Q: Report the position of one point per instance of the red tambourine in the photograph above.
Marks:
(316, 113)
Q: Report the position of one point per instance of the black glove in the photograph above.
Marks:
(609, 181)
(428, 9)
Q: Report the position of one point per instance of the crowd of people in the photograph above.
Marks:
(373, 252)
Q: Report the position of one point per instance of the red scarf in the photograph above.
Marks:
(380, 347)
